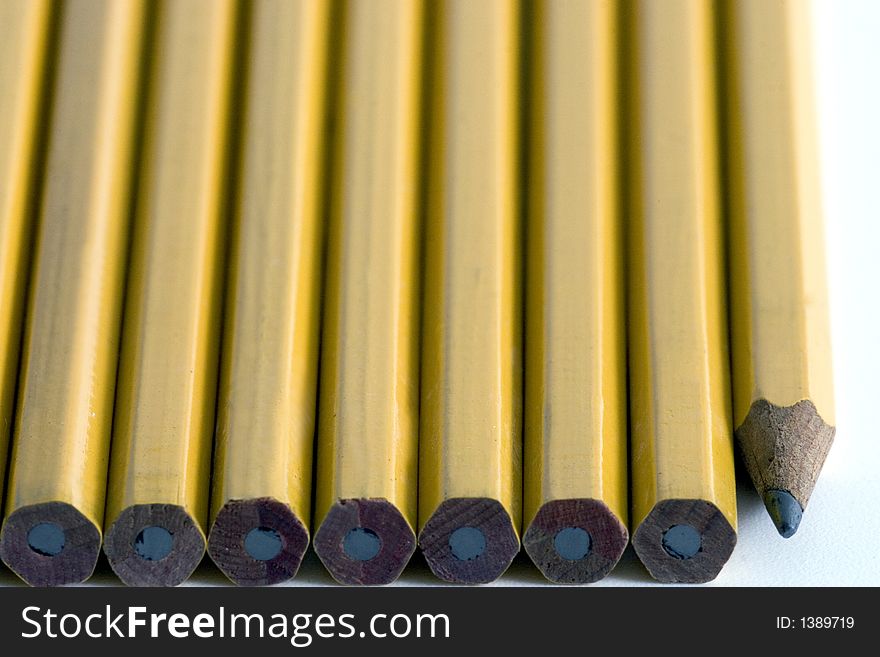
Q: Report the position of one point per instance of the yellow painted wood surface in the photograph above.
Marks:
(575, 438)
(24, 32)
(167, 383)
(70, 351)
(369, 421)
(680, 392)
(780, 328)
(471, 358)
(266, 409)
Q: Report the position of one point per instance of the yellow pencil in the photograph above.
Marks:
(575, 492)
(470, 452)
(261, 494)
(369, 419)
(157, 497)
(683, 497)
(783, 396)
(58, 474)
(24, 36)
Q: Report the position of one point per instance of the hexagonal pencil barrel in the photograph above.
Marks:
(470, 452)
(782, 379)
(25, 32)
(157, 497)
(365, 510)
(575, 474)
(683, 490)
(261, 491)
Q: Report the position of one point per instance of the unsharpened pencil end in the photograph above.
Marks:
(575, 541)
(50, 544)
(154, 545)
(469, 540)
(785, 511)
(258, 541)
(684, 541)
(364, 541)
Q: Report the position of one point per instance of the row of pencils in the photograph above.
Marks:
(385, 274)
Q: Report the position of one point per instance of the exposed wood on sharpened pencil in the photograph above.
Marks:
(157, 503)
(58, 473)
(470, 460)
(369, 421)
(261, 490)
(575, 471)
(683, 496)
(24, 32)
(783, 397)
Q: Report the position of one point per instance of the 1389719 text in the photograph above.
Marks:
(815, 623)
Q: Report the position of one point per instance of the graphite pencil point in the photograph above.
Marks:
(784, 510)
(783, 449)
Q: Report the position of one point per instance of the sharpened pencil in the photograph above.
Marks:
(783, 394)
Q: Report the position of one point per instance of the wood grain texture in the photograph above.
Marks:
(717, 537)
(368, 429)
(470, 441)
(487, 515)
(575, 413)
(269, 370)
(76, 562)
(226, 542)
(70, 347)
(784, 448)
(397, 541)
(189, 545)
(607, 533)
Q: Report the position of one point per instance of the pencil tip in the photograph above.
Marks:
(784, 510)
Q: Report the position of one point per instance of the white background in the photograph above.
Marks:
(837, 543)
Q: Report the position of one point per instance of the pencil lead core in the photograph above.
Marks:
(467, 543)
(263, 543)
(785, 511)
(153, 543)
(572, 543)
(361, 544)
(46, 538)
(682, 541)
